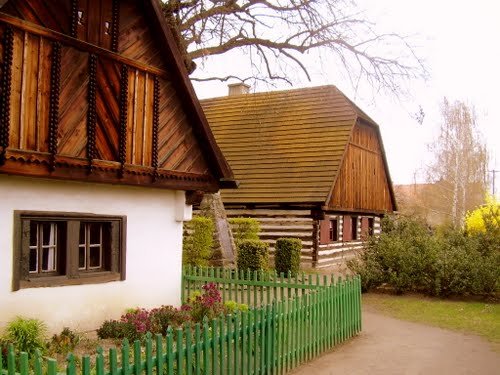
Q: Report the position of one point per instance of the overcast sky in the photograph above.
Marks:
(460, 43)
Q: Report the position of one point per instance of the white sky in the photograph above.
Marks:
(460, 43)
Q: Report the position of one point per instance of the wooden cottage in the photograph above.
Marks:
(103, 149)
(311, 165)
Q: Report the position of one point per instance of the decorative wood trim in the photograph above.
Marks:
(74, 19)
(156, 124)
(55, 88)
(115, 25)
(5, 86)
(123, 118)
(80, 45)
(91, 114)
(194, 197)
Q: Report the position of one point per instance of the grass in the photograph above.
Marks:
(479, 318)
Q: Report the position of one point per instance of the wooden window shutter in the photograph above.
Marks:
(364, 228)
(346, 228)
(324, 231)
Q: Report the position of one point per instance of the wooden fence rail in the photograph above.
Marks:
(270, 339)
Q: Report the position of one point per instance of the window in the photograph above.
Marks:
(54, 249)
(354, 228)
(334, 230)
(371, 226)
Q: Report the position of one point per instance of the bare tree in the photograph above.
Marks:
(284, 30)
(460, 164)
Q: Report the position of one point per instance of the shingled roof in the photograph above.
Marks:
(283, 146)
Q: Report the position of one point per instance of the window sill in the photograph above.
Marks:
(82, 279)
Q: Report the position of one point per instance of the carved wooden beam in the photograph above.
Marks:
(122, 149)
(115, 25)
(156, 124)
(5, 86)
(55, 88)
(91, 114)
(74, 19)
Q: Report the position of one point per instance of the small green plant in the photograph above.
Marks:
(287, 256)
(244, 228)
(27, 335)
(64, 342)
(197, 246)
(252, 255)
(115, 329)
(231, 307)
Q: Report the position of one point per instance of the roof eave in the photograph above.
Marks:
(180, 77)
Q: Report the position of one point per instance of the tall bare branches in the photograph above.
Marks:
(285, 30)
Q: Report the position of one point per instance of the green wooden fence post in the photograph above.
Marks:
(137, 358)
(70, 364)
(189, 350)
(113, 362)
(51, 367)
(23, 363)
(159, 354)
(170, 351)
(215, 351)
(179, 349)
(11, 360)
(37, 365)
(198, 348)
(125, 357)
(237, 341)
(230, 353)
(206, 348)
(86, 365)
(99, 362)
(222, 345)
(149, 354)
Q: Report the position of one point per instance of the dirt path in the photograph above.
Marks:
(390, 346)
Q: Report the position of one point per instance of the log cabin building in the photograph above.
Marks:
(310, 164)
(103, 149)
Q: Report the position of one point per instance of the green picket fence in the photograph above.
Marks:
(270, 339)
(255, 288)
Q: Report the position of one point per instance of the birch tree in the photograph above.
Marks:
(460, 162)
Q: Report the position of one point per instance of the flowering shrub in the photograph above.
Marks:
(209, 303)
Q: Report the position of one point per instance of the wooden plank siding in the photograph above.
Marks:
(276, 223)
(160, 147)
(362, 182)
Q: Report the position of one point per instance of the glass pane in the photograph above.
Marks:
(48, 259)
(82, 233)
(81, 258)
(33, 233)
(49, 234)
(95, 257)
(95, 233)
(33, 260)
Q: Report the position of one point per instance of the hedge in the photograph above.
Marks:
(287, 256)
(244, 228)
(197, 246)
(252, 255)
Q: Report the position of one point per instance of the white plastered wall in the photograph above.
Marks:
(153, 251)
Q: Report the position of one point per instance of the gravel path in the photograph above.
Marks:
(391, 346)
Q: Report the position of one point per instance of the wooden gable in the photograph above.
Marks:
(95, 90)
(362, 183)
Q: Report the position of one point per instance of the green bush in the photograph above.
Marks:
(409, 257)
(232, 307)
(244, 228)
(252, 255)
(287, 255)
(197, 247)
(27, 335)
(115, 329)
(64, 342)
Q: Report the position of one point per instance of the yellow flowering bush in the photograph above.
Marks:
(484, 218)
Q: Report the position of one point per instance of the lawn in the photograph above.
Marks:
(479, 318)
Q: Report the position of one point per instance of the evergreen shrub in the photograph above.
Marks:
(287, 255)
(252, 255)
(244, 228)
(197, 246)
